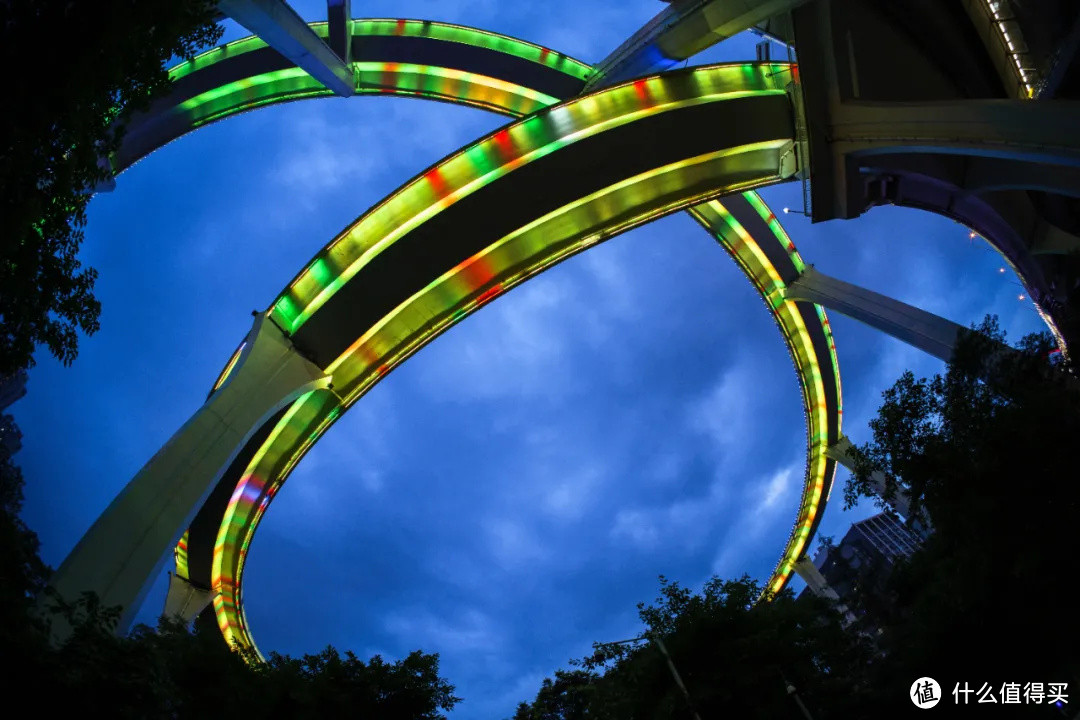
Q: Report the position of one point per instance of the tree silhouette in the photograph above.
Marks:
(76, 70)
(990, 456)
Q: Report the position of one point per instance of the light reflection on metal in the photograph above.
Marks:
(748, 253)
(1017, 48)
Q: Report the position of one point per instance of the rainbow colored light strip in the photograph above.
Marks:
(465, 288)
(180, 555)
(400, 27)
(372, 78)
(486, 161)
(746, 251)
(432, 82)
(376, 79)
(476, 38)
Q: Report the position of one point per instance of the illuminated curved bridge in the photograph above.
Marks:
(404, 271)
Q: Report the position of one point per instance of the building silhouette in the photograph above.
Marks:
(858, 567)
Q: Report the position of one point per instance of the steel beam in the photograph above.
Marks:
(124, 550)
(285, 31)
(680, 31)
(1017, 130)
(811, 575)
(339, 14)
(928, 332)
(185, 599)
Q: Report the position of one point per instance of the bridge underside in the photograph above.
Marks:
(853, 53)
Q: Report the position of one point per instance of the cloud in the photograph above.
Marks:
(513, 544)
(510, 349)
(456, 632)
(686, 523)
(565, 487)
(763, 503)
(349, 153)
(725, 412)
(636, 526)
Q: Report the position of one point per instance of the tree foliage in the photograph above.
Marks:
(76, 70)
(988, 451)
(174, 671)
(22, 574)
(735, 655)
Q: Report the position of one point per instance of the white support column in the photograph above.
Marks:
(186, 600)
(125, 549)
(841, 453)
(339, 15)
(900, 502)
(928, 332)
(285, 31)
(808, 571)
(680, 31)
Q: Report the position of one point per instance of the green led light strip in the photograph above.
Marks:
(376, 78)
(488, 160)
(755, 264)
(404, 332)
(447, 32)
(476, 38)
(180, 555)
(434, 83)
(402, 79)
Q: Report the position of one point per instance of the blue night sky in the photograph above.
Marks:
(506, 497)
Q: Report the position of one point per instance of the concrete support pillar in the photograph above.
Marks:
(1017, 130)
(808, 571)
(125, 549)
(185, 599)
(841, 453)
(680, 31)
(339, 14)
(918, 328)
(930, 333)
(900, 502)
(285, 31)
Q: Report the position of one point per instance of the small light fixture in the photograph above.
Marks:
(1020, 296)
(787, 210)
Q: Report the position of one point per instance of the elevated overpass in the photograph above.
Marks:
(313, 353)
(859, 57)
(938, 61)
(210, 556)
